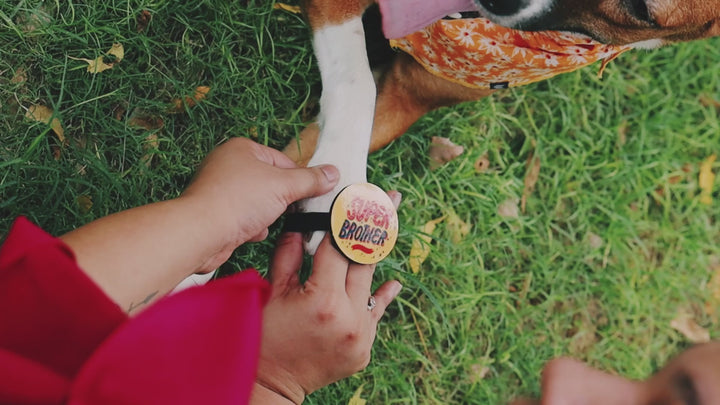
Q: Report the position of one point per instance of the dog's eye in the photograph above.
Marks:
(639, 10)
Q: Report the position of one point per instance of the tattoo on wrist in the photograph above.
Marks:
(147, 299)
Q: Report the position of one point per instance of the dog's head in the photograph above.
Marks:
(647, 23)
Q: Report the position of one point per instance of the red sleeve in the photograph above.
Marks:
(199, 346)
(53, 316)
(63, 341)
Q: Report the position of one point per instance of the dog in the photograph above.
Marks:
(358, 116)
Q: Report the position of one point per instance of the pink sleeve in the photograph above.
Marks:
(62, 340)
(199, 346)
(52, 312)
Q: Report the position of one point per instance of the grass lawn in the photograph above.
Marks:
(614, 241)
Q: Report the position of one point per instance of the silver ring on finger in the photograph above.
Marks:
(371, 303)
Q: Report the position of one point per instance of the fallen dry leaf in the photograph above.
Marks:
(84, 202)
(457, 228)
(118, 51)
(287, 7)
(43, 114)
(531, 177)
(356, 400)
(688, 327)
(143, 20)
(509, 209)
(150, 146)
(98, 64)
(622, 133)
(478, 372)
(713, 302)
(706, 180)
(33, 20)
(189, 101)
(421, 245)
(141, 120)
(442, 150)
(594, 241)
(19, 77)
(707, 101)
(482, 164)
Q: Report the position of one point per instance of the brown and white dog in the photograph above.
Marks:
(357, 117)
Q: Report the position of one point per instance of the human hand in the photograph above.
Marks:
(320, 331)
(248, 186)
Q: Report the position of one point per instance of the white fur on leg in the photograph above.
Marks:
(347, 106)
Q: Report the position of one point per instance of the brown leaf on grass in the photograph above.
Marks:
(708, 101)
(178, 105)
(119, 111)
(594, 241)
(143, 20)
(509, 209)
(97, 65)
(356, 400)
(442, 150)
(706, 180)
(19, 77)
(41, 113)
(33, 20)
(478, 372)
(118, 51)
(84, 203)
(532, 174)
(688, 327)
(713, 302)
(622, 133)
(287, 7)
(150, 146)
(457, 228)
(421, 245)
(148, 122)
(482, 164)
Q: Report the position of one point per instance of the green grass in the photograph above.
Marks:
(619, 162)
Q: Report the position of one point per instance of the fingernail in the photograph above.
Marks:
(396, 198)
(331, 173)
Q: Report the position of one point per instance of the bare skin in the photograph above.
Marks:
(692, 378)
(137, 256)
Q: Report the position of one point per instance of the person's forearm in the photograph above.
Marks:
(138, 255)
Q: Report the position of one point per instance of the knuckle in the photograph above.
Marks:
(325, 316)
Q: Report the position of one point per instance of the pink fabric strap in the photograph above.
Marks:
(403, 17)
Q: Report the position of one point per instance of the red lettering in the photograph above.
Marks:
(364, 211)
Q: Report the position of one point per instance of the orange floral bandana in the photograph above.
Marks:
(477, 53)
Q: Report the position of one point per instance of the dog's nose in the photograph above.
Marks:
(503, 7)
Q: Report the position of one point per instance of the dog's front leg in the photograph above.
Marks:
(347, 104)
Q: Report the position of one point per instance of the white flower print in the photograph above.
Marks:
(491, 46)
(576, 57)
(550, 59)
(465, 36)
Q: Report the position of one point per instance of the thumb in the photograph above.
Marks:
(311, 181)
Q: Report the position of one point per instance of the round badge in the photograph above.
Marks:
(363, 223)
